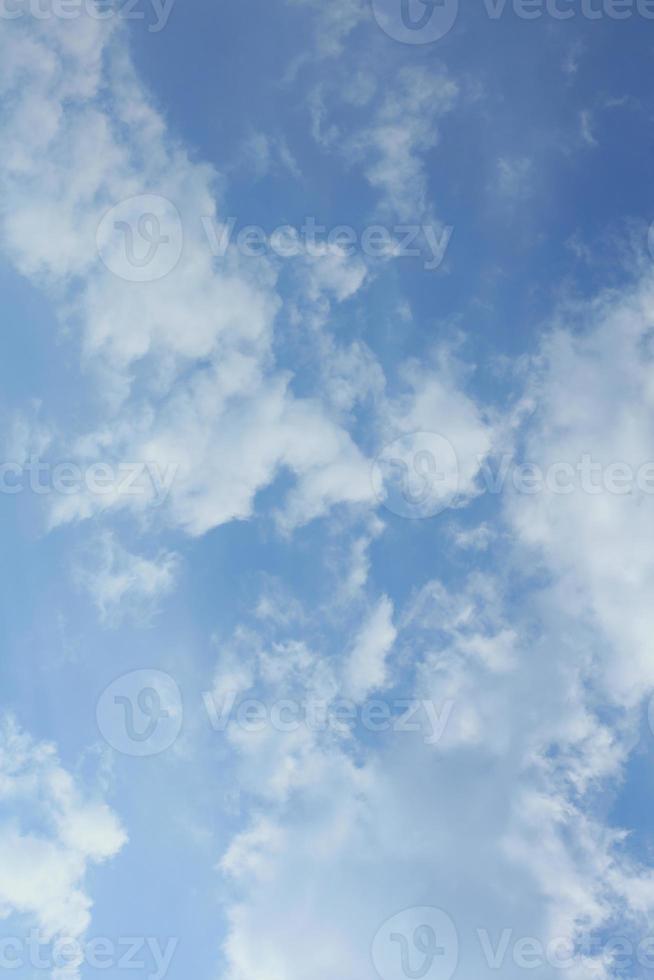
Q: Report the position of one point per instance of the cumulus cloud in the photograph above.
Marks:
(185, 364)
(51, 835)
(592, 432)
(513, 747)
(512, 769)
(534, 708)
(185, 361)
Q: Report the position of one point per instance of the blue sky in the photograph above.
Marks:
(326, 607)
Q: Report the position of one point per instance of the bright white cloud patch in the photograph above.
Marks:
(51, 834)
(188, 378)
(495, 785)
(201, 335)
(592, 523)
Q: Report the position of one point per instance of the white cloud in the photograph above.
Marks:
(594, 399)
(189, 380)
(398, 128)
(474, 538)
(527, 747)
(366, 669)
(121, 583)
(185, 366)
(331, 270)
(200, 337)
(434, 400)
(404, 128)
(335, 21)
(50, 836)
(504, 795)
(27, 436)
